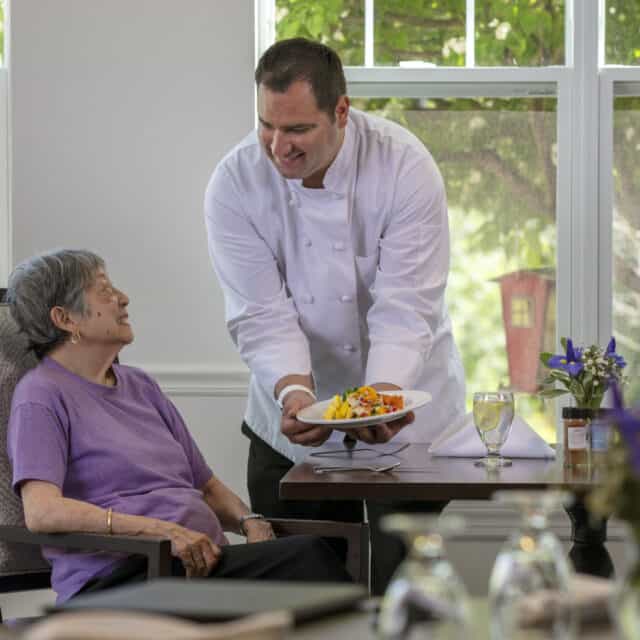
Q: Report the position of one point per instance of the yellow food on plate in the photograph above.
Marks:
(362, 402)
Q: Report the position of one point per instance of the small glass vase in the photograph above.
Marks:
(625, 603)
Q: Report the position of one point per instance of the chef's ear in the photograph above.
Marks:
(342, 111)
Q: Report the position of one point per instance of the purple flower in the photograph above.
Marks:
(629, 426)
(571, 362)
(611, 353)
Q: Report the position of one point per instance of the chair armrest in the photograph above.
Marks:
(355, 533)
(156, 550)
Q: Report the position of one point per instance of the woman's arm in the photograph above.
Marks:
(46, 510)
(229, 508)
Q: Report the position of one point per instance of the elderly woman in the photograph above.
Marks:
(97, 447)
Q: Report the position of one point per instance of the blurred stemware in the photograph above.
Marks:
(492, 416)
(532, 561)
(425, 590)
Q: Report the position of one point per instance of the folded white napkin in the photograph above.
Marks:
(462, 440)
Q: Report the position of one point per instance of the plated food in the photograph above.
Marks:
(411, 400)
(362, 402)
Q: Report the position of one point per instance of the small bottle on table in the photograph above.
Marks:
(576, 436)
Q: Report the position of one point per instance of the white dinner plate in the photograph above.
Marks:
(412, 400)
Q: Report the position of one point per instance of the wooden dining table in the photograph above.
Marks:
(421, 476)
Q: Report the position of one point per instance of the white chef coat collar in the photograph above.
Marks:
(338, 177)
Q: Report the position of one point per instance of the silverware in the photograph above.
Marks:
(378, 469)
(381, 454)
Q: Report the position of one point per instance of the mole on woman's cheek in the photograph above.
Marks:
(99, 314)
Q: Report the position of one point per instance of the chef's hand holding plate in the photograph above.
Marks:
(383, 432)
(300, 432)
(380, 433)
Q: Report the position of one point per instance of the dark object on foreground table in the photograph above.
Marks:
(588, 553)
(209, 600)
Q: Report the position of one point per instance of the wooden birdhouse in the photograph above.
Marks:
(528, 313)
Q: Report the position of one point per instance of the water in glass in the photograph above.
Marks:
(493, 415)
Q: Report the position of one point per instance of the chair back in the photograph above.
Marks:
(15, 360)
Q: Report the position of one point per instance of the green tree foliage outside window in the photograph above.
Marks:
(622, 32)
(626, 237)
(337, 23)
(507, 32)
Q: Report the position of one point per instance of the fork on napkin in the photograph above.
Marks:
(462, 440)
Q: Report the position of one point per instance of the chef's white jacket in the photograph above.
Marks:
(347, 282)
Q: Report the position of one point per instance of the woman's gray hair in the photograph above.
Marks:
(57, 278)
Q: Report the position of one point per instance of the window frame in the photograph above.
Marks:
(6, 229)
(6, 226)
(585, 89)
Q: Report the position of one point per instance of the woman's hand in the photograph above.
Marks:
(258, 530)
(199, 555)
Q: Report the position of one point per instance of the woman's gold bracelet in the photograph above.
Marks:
(109, 520)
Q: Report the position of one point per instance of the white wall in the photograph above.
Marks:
(120, 111)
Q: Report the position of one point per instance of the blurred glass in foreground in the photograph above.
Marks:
(425, 598)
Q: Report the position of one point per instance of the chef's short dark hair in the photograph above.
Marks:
(289, 61)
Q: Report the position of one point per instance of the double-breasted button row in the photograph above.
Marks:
(336, 246)
(308, 298)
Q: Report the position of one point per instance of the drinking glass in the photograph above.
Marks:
(425, 595)
(531, 573)
(492, 416)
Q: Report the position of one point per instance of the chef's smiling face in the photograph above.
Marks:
(301, 140)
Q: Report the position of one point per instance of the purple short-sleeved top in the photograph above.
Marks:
(124, 447)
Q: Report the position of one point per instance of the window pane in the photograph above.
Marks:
(497, 157)
(416, 31)
(622, 39)
(524, 33)
(337, 23)
(626, 238)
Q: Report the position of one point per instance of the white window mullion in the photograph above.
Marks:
(470, 34)
(605, 204)
(564, 194)
(585, 174)
(264, 25)
(6, 232)
(369, 29)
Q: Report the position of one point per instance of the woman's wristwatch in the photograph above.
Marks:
(248, 516)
